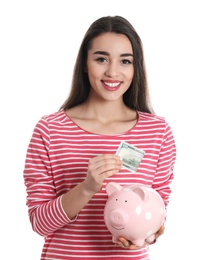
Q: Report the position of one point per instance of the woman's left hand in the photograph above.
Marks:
(122, 242)
(159, 232)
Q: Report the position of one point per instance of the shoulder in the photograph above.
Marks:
(58, 116)
(54, 119)
(151, 118)
(156, 125)
(153, 122)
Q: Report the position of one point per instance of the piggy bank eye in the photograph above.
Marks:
(125, 200)
(116, 199)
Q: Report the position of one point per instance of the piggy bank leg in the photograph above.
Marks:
(150, 239)
(114, 239)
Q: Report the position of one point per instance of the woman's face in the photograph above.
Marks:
(110, 66)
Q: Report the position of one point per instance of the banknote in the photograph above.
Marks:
(130, 155)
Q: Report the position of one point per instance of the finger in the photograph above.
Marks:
(133, 247)
(103, 157)
(124, 242)
(105, 165)
(119, 244)
(160, 231)
(106, 169)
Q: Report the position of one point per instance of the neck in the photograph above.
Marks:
(106, 111)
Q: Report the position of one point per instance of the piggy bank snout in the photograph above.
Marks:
(118, 217)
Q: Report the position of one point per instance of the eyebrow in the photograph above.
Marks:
(108, 54)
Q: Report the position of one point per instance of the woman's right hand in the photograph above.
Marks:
(100, 168)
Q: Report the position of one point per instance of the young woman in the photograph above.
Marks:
(72, 153)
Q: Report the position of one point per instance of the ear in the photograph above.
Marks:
(112, 187)
(141, 191)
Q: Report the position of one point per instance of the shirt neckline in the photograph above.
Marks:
(106, 135)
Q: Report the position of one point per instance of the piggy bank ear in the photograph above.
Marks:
(112, 187)
(141, 191)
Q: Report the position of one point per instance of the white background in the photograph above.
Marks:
(39, 41)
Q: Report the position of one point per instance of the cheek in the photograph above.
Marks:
(94, 72)
(130, 75)
(92, 78)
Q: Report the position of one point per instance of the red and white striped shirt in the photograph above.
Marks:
(57, 160)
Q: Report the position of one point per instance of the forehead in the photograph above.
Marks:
(112, 43)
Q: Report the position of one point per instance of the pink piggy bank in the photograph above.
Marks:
(134, 212)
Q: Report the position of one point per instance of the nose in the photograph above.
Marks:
(112, 70)
(118, 217)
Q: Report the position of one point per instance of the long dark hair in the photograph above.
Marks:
(137, 96)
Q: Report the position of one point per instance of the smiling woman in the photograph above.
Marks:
(110, 68)
(72, 152)
(113, 67)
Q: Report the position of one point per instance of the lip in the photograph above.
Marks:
(111, 85)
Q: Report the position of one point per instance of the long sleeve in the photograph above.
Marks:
(44, 206)
(165, 166)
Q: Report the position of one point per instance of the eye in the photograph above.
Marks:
(125, 200)
(101, 60)
(126, 62)
(116, 199)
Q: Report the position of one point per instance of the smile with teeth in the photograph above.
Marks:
(112, 85)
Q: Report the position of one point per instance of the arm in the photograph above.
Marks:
(47, 210)
(44, 207)
(165, 166)
(99, 168)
